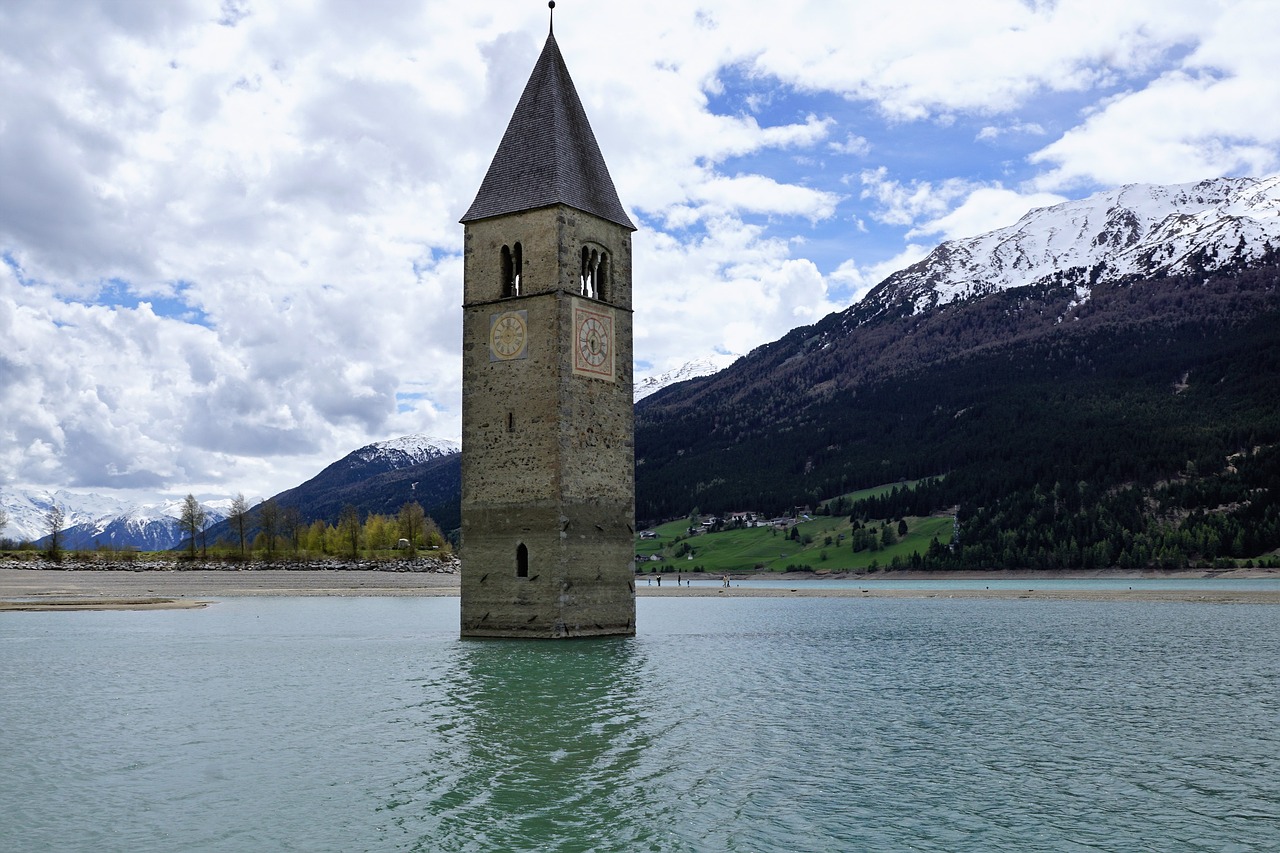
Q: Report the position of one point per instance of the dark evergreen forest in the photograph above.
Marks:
(1139, 427)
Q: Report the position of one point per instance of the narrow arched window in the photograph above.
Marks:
(602, 278)
(508, 272)
(512, 270)
(517, 274)
(593, 275)
(522, 561)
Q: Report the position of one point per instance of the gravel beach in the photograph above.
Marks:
(80, 589)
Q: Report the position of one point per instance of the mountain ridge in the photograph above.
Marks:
(689, 370)
(1146, 230)
(898, 334)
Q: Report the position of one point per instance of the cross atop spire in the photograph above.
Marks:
(548, 154)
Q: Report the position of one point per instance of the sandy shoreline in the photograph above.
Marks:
(109, 589)
(49, 589)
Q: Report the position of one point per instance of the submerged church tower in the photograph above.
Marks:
(548, 458)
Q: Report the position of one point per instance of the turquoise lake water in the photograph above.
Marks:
(318, 724)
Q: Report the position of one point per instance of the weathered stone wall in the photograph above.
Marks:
(580, 582)
(510, 409)
(548, 455)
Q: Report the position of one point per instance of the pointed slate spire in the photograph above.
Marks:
(548, 154)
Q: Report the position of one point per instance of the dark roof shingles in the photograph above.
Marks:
(548, 154)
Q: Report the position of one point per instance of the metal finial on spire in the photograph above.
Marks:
(551, 28)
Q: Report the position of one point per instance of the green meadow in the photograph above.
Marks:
(820, 543)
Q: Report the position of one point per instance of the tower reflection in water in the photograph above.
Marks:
(526, 745)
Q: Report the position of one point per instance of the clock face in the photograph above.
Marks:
(593, 342)
(508, 336)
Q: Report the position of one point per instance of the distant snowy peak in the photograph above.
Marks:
(92, 518)
(28, 510)
(171, 510)
(407, 450)
(692, 370)
(689, 370)
(1140, 229)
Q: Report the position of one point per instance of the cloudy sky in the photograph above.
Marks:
(229, 228)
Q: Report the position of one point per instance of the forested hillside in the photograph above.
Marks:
(371, 486)
(1136, 426)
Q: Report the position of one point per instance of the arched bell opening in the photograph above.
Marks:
(594, 274)
(512, 270)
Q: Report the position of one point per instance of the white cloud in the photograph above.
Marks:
(851, 280)
(911, 253)
(918, 58)
(282, 183)
(992, 132)
(903, 204)
(1214, 115)
(984, 209)
(853, 145)
(1181, 128)
(758, 194)
(730, 290)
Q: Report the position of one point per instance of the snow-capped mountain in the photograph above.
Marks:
(358, 466)
(692, 370)
(406, 450)
(28, 510)
(1098, 344)
(1140, 229)
(381, 478)
(391, 455)
(148, 527)
(92, 519)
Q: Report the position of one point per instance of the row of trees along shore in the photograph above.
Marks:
(269, 531)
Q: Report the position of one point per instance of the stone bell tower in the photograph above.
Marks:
(548, 457)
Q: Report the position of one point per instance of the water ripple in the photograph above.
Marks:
(726, 725)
